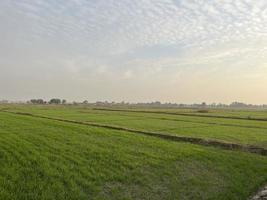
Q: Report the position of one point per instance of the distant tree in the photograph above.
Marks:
(64, 101)
(85, 102)
(33, 101)
(203, 104)
(74, 103)
(40, 101)
(37, 101)
(238, 105)
(158, 103)
(55, 101)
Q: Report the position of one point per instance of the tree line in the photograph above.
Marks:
(51, 101)
(144, 104)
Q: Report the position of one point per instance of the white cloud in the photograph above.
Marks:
(147, 41)
(117, 26)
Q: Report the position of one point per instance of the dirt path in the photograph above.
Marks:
(261, 195)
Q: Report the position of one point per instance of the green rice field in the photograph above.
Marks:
(56, 152)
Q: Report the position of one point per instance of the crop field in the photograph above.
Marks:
(87, 152)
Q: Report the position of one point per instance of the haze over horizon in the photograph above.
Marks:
(134, 50)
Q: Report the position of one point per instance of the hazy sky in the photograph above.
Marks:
(134, 50)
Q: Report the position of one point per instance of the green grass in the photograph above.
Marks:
(48, 159)
(230, 112)
(247, 132)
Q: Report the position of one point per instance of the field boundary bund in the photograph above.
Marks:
(199, 122)
(166, 136)
(181, 114)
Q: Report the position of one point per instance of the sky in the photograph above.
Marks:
(184, 51)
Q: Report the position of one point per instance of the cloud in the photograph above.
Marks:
(146, 41)
(118, 26)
